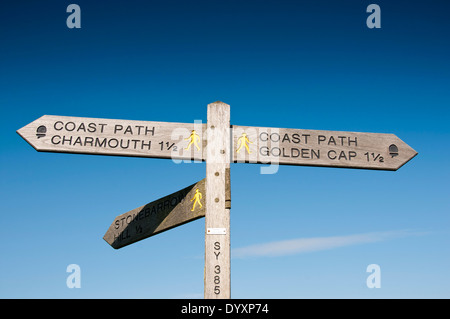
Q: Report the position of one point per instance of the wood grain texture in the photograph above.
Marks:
(97, 136)
(217, 247)
(282, 146)
(158, 216)
(276, 146)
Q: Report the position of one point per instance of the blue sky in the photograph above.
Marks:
(304, 232)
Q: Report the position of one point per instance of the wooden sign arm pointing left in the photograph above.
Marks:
(153, 218)
(96, 136)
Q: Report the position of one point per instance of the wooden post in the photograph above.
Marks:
(217, 218)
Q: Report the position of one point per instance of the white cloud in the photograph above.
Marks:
(303, 245)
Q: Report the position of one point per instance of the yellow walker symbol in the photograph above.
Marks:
(196, 199)
(194, 140)
(243, 140)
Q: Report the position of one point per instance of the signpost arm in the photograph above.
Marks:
(217, 218)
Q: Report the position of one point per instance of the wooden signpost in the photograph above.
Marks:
(219, 144)
(218, 203)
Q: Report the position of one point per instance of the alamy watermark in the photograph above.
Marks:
(374, 279)
(247, 145)
(74, 279)
(374, 19)
(74, 19)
